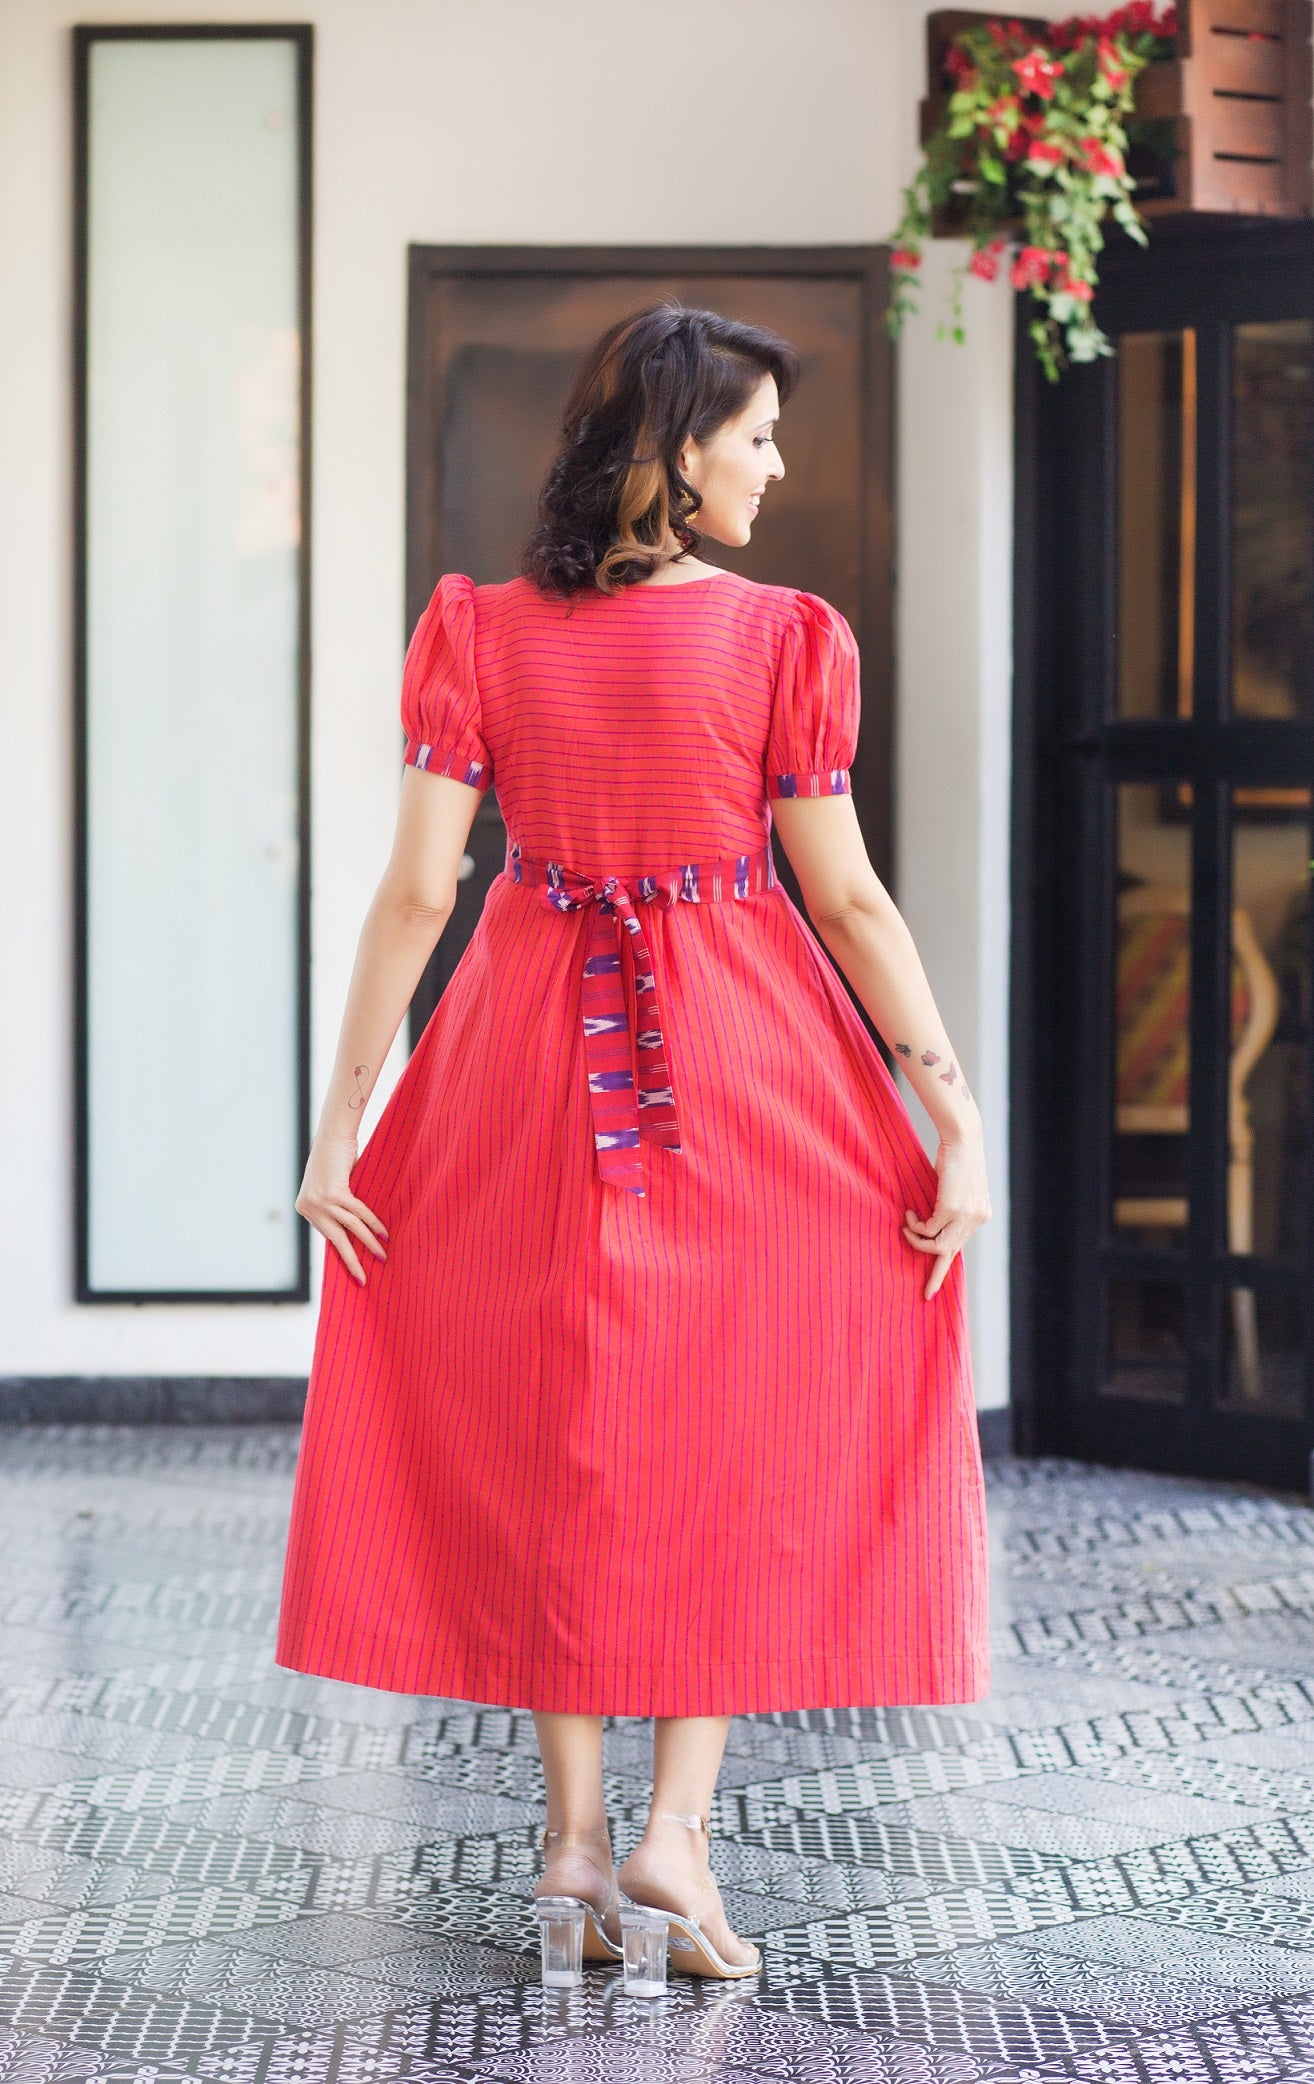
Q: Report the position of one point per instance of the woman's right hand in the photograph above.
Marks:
(328, 1204)
(962, 1205)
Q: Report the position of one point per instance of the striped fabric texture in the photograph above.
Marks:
(698, 1449)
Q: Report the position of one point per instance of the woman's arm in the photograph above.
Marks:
(860, 924)
(402, 927)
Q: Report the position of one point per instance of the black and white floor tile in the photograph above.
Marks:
(215, 1872)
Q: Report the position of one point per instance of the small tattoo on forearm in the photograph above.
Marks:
(953, 1076)
(357, 1099)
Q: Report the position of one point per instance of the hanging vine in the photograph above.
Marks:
(1034, 134)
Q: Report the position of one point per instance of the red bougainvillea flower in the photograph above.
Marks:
(1031, 267)
(1110, 64)
(1044, 152)
(985, 261)
(1133, 21)
(1099, 159)
(1140, 19)
(905, 257)
(1038, 74)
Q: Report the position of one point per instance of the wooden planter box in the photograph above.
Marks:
(1239, 94)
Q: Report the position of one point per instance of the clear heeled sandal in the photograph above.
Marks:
(691, 1951)
(572, 1929)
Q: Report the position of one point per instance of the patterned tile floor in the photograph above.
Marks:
(213, 1870)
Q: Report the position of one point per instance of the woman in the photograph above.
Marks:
(634, 1392)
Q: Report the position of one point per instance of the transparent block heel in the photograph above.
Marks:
(558, 1846)
(644, 1935)
(689, 1949)
(561, 1939)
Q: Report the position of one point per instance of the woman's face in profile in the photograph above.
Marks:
(734, 467)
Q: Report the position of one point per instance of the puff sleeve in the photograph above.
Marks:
(814, 719)
(440, 697)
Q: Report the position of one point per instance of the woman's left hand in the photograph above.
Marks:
(328, 1204)
(962, 1205)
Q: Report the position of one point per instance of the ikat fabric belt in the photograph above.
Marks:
(626, 1113)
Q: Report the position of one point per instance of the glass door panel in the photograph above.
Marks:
(1268, 1084)
(1273, 521)
(1265, 1371)
(1152, 1011)
(1147, 1341)
(1156, 524)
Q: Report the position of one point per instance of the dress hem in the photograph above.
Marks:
(763, 1689)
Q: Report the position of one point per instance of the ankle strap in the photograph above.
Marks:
(695, 1823)
(577, 1837)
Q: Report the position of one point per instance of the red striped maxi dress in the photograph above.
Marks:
(646, 1413)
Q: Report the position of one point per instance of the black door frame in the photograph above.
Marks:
(1065, 465)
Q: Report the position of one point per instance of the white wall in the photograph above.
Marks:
(484, 121)
(953, 720)
(953, 755)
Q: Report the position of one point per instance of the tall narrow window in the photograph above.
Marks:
(192, 660)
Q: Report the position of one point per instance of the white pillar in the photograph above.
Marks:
(953, 724)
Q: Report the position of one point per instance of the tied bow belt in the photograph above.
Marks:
(629, 1076)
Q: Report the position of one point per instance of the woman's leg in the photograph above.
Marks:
(579, 1861)
(571, 1750)
(669, 1866)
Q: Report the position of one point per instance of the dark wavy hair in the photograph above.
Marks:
(615, 497)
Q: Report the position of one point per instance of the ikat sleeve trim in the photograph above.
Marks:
(440, 697)
(814, 722)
